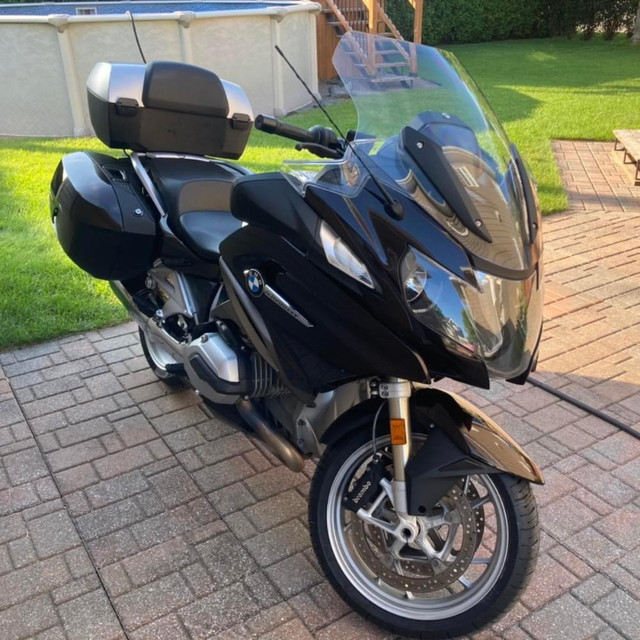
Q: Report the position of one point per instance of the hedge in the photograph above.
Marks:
(457, 21)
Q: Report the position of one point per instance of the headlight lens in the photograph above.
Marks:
(436, 297)
(414, 283)
(341, 257)
(499, 320)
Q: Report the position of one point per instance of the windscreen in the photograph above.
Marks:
(426, 125)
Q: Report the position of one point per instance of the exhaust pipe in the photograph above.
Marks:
(279, 446)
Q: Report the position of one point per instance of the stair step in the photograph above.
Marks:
(379, 52)
(384, 65)
(352, 23)
(390, 78)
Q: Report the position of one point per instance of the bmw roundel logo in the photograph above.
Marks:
(255, 282)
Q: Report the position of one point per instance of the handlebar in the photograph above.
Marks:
(269, 124)
(321, 141)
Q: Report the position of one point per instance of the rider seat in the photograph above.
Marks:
(196, 196)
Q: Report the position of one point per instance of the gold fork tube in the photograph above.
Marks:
(399, 392)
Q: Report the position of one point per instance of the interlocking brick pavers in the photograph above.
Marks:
(128, 510)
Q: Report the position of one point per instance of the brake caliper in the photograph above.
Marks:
(367, 486)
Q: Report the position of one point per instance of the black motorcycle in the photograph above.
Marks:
(316, 307)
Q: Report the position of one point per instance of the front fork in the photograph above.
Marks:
(398, 391)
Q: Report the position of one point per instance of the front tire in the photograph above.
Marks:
(404, 593)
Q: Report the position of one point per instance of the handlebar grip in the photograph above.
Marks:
(269, 124)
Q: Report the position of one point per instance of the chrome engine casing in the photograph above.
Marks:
(210, 347)
(220, 358)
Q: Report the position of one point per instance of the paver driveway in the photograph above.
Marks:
(128, 511)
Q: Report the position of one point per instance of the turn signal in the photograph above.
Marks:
(398, 432)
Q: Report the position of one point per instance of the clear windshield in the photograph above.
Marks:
(396, 85)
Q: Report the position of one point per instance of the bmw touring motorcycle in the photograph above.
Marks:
(316, 307)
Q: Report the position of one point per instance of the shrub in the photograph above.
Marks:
(458, 21)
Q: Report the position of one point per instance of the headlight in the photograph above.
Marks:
(341, 257)
(451, 306)
(497, 319)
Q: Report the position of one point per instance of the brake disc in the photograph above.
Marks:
(412, 570)
(473, 495)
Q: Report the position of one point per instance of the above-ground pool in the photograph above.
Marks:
(114, 8)
(49, 49)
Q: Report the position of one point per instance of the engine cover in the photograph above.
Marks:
(214, 369)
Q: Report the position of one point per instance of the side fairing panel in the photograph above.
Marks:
(343, 342)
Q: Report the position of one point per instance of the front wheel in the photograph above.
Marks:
(469, 563)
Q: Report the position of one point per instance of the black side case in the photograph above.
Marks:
(102, 219)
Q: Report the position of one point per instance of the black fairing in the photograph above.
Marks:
(427, 153)
(357, 331)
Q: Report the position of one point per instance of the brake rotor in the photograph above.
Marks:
(473, 495)
(418, 574)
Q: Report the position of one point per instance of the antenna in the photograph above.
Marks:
(396, 207)
(135, 33)
(313, 96)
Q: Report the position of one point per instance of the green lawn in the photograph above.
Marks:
(541, 89)
(42, 293)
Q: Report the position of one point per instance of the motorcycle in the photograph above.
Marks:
(316, 307)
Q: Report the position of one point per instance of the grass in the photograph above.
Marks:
(42, 293)
(541, 90)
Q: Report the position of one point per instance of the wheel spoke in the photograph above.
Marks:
(366, 514)
(397, 546)
(376, 522)
(465, 487)
(476, 504)
(465, 582)
(398, 567)
(481, 561)
(425, 546)
(443, 554)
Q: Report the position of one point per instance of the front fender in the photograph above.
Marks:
(477, 434)
(462, 441)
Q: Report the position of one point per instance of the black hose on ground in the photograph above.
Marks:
(585, 407)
